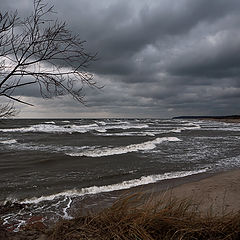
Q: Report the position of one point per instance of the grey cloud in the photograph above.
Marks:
(119, 30)
(218, 56)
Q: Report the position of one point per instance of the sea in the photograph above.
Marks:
(50, 167)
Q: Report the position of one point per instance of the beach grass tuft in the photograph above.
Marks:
(140, 217)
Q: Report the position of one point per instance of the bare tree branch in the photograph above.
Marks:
(7, 111)
(43, 52)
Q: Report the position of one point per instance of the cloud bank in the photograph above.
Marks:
(157, 58)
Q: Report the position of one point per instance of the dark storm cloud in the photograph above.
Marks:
(158, 56)
(119, 31)
(219, 57)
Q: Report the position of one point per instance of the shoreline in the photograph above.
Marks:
(216, 192)
(167, 187)
(99, 201)
(211, 190)
(212, 194)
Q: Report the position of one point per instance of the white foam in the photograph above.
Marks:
(19, 225)
(119, 122)
(191, 127)
(48, 148)
(101, 130)
(101, 123)
(114, 187)
(95, 151)
(105, 151)
(51, 128)
(10, 199)
(65, 213)
(120, 125)
(10, 141)
(51, 122)
(190, 124)
(178, 130)
(129, 126)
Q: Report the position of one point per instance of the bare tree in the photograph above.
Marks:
(41, 51)
(7, 110)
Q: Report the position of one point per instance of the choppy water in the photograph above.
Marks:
(51, 163)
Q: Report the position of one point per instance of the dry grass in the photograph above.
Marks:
(135, 217)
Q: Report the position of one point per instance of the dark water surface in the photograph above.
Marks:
(52, 164)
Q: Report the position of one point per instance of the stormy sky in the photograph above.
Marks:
(156, 58)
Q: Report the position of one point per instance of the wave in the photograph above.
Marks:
(126, 126)
(144, 180)
(51, 122)
(101, 123)
(9, 141)
(92, 151)
(146, 128)
(104, 151)
(115, 122)
(190, 127)
(51, 128)
(149, 132)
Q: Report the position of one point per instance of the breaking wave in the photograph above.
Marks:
(50, 127)
(9, 141)
(105, 151)
(91, 151)
(144, 180)
(50, 122)
(189, 127)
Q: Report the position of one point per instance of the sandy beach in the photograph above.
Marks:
(216, 193)
(219, 193)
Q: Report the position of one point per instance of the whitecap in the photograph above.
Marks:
(9, 141)
(101, 123)
(50, 122)
(106, 151)
(51, 128)
(66, 121)
(191, 127)
(114, 187)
